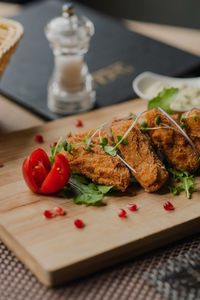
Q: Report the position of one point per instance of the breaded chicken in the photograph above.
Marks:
(172, 143)
(139, 154)
(192, 121)
(96, 164)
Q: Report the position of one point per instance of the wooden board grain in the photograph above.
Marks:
(54, 249)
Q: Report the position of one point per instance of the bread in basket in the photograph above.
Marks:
(10, 35)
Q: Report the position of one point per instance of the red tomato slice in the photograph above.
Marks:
(40, 177)
(58, 176)
(29, 179)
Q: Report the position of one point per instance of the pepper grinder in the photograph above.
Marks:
(70, 88)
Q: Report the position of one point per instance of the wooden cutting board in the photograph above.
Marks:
(56, 251)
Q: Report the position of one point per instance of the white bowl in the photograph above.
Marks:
(144, 80)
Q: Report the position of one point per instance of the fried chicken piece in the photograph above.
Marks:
(139, 154)
(172, 143)
(96, 164)
(192, 121)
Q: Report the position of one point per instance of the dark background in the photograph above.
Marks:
(184, 13)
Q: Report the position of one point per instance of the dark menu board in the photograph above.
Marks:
(116, 55)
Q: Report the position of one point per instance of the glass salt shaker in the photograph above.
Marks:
(70, 89)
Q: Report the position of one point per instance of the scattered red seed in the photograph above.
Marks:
(79, 223)
(168, 206)
(59, 210)
(69, 135)
(122, 213)
(53, 144)
(132, 207)
(39, 138)
(49, 214)
(1, 165)
(79, 123)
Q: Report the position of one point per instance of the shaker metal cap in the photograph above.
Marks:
(69, 30)
(68, 9)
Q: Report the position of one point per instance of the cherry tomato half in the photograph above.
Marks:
(40, 177)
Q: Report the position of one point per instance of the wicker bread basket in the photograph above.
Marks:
(10, 35)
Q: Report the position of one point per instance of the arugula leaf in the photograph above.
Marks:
(164, 99)
(188, 184)
(175, 189)
(186, 180)
(80, 178)
(104, 189)
(89, 198)
(85, 192)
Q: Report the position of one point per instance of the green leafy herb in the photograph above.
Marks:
(184, 126)
(87, 148)
(143, 125)
(158, 120)
(195, 117)
(80, 178)
(186, 180)
(57, 149)
(104, 142)
(68, 148)
(164, 99)
(110, 150)
(86, 140)
(84, 191)
(121, 140)
(104, 189)
(183, 119)
(175, 190)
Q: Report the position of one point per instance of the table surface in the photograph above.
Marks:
(183, 38)
(17, 282)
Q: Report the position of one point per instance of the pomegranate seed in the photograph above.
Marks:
(132, 207)
(168, 206)
(79, 223)
(39, 138)
(48, 214)
(79, 123)
(59, 210)
(1, 165)
(53, 144)
(69, 135)
(122, 213)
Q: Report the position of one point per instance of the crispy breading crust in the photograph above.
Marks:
(96, 164)
(172, 143)
(139, 154)
(192, 121)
